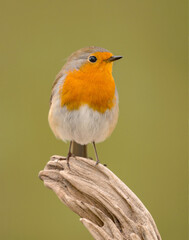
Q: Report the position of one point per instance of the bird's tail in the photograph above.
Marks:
(79, 150)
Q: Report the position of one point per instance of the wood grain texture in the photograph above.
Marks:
(107, 207)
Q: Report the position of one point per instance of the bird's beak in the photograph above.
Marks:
(113, 58)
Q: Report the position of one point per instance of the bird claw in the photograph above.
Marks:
(97, 162)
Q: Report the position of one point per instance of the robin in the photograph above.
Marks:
(84, 99)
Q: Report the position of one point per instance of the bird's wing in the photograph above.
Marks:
(58, 80)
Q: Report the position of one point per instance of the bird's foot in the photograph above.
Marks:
(97, 162)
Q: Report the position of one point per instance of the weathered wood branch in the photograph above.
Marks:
(107, 207)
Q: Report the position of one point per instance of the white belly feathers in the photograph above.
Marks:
(83, 125)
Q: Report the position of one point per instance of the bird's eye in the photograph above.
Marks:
(92, 59)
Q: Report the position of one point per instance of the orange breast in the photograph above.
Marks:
(95, 88)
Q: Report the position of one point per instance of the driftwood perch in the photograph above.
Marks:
(107, 207)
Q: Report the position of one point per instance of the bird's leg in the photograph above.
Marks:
(97, 159)
(69, 154)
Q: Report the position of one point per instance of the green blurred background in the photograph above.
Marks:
(148, 149)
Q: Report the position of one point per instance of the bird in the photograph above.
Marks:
(84, 102)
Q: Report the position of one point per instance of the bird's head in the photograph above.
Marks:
(90, 60)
